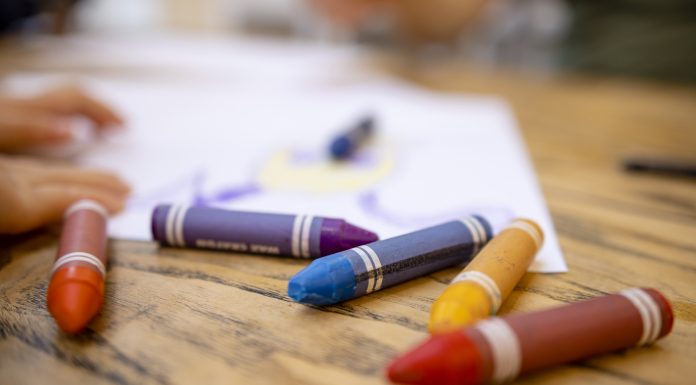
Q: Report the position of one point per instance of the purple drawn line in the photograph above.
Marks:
(369, 203)
(226, 194)
(193, 182)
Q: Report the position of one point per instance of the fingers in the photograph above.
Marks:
(53, 199)
(74, 176)
(74, 100)
(97, 111)
(21, 129)
(34, 193)
(49, 118)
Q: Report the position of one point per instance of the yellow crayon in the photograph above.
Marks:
(478, 291)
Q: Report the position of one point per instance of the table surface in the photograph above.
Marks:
(175, 316)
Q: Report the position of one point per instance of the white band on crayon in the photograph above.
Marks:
(486, 282)
(174, 226)
(306, 226)
(649, 313)
(505, 348)
(529, 229)
(169, 225)
(86, 204)
(295, 243)
(644, 311)
(654, 312)
(379, 276)
(481, 230)
(478, 236)
(472, 231)
(179, 226)
(81, 257)
(369, 268)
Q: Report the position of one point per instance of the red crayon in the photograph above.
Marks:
(76, 291)
(501, 348)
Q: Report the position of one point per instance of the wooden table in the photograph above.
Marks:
(175, 316)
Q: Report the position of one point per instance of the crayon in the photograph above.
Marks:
(368, 268)
(500, 349)
(300, 236)
(76, 291)
(345, 144)
(477, 292)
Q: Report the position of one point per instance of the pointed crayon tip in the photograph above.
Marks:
(446, 359)
(356, 236)
(325, 281)
(461, 304)
(297, 288)
(311, 285)
(338, 235)
(73, 304)
(340, 148)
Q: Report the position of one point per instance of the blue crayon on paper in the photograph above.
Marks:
(301, 236)
(345, 145)
(361, 270)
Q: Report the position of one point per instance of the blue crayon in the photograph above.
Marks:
(363, 269)
(345, 145)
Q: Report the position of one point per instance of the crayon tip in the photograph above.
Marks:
(356, 236)
(446, 359)
(461, 304)
(340, 148)
(338, 235)
(73, 304)
(444, 319)
(325, 281)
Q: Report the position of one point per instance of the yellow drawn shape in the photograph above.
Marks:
(326, 176)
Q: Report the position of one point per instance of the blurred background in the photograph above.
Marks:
(629, 38)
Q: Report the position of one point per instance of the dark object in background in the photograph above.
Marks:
(12, 12)
(661, 166)
(345, 144)
(15, 13)
(637, 38)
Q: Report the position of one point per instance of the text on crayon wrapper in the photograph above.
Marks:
(237, 246)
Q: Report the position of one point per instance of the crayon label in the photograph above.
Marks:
(650, 314)
(244, 232)
(391, 261)
(505, 347)
(79, 256)
(486, 282)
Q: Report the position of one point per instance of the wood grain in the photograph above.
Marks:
(175, 316)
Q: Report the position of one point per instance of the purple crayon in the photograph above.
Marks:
(300, 236)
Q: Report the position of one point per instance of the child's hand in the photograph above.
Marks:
(35, 193)
(44, 119)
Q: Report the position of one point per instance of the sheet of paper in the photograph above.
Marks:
(434, 157)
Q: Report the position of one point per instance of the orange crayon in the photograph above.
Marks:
(76, 291)
(479, 290)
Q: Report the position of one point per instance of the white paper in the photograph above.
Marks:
(248, 146)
